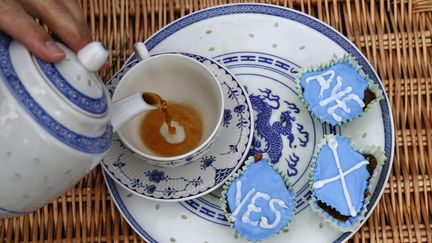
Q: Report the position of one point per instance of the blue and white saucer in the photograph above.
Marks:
(199, 177)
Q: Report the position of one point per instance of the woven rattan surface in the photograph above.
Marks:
(396, 36)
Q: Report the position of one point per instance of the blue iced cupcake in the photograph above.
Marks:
(341, 177)
(257, 200)
(337, 92)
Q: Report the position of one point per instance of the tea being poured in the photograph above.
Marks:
(156, 100)
(171, 130)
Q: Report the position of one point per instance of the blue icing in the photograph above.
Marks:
(264, 179)
(349, 77)
(357, 181)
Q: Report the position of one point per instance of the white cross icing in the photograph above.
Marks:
(337, 95)
(333, 144)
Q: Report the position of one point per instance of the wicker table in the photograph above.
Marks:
(396, 36)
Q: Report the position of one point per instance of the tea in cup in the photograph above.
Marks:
(190, 113)
(171, 130)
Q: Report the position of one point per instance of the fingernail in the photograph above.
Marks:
(53, 49)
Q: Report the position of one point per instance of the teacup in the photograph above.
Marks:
(177, 79)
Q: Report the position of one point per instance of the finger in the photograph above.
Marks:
(19, 25)
(57, 16)
(76, 12)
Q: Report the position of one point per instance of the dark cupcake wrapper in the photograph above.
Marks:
(356, 221)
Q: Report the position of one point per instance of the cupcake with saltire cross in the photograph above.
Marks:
(341, 179)
(337, 92)
(257, 200)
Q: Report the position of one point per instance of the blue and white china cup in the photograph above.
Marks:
(179, 79)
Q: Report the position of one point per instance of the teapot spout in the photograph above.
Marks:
(129, 107)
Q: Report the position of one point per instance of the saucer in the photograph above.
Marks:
(198, 177)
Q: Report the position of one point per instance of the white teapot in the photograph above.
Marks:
(55, 123)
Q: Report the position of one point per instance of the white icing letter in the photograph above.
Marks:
(323, 83)
(253, 208)
(239, 204)
(238, 193)
(336, 96)
(355, 98)
(264, 221)
(250, 208)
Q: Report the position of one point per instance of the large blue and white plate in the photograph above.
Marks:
(264, 46)
(197, 177)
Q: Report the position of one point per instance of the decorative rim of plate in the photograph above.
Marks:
(243, 153)
(301, 18)
(111, 185)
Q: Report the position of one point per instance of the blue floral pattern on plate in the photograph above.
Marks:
(199, 176)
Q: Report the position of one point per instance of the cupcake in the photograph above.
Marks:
(341, 177)
(338, 92)
(257, 200)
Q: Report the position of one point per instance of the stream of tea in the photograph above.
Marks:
(172, 129)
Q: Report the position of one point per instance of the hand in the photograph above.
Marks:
(63, 17)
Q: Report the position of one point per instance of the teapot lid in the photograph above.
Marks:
(75, 79)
